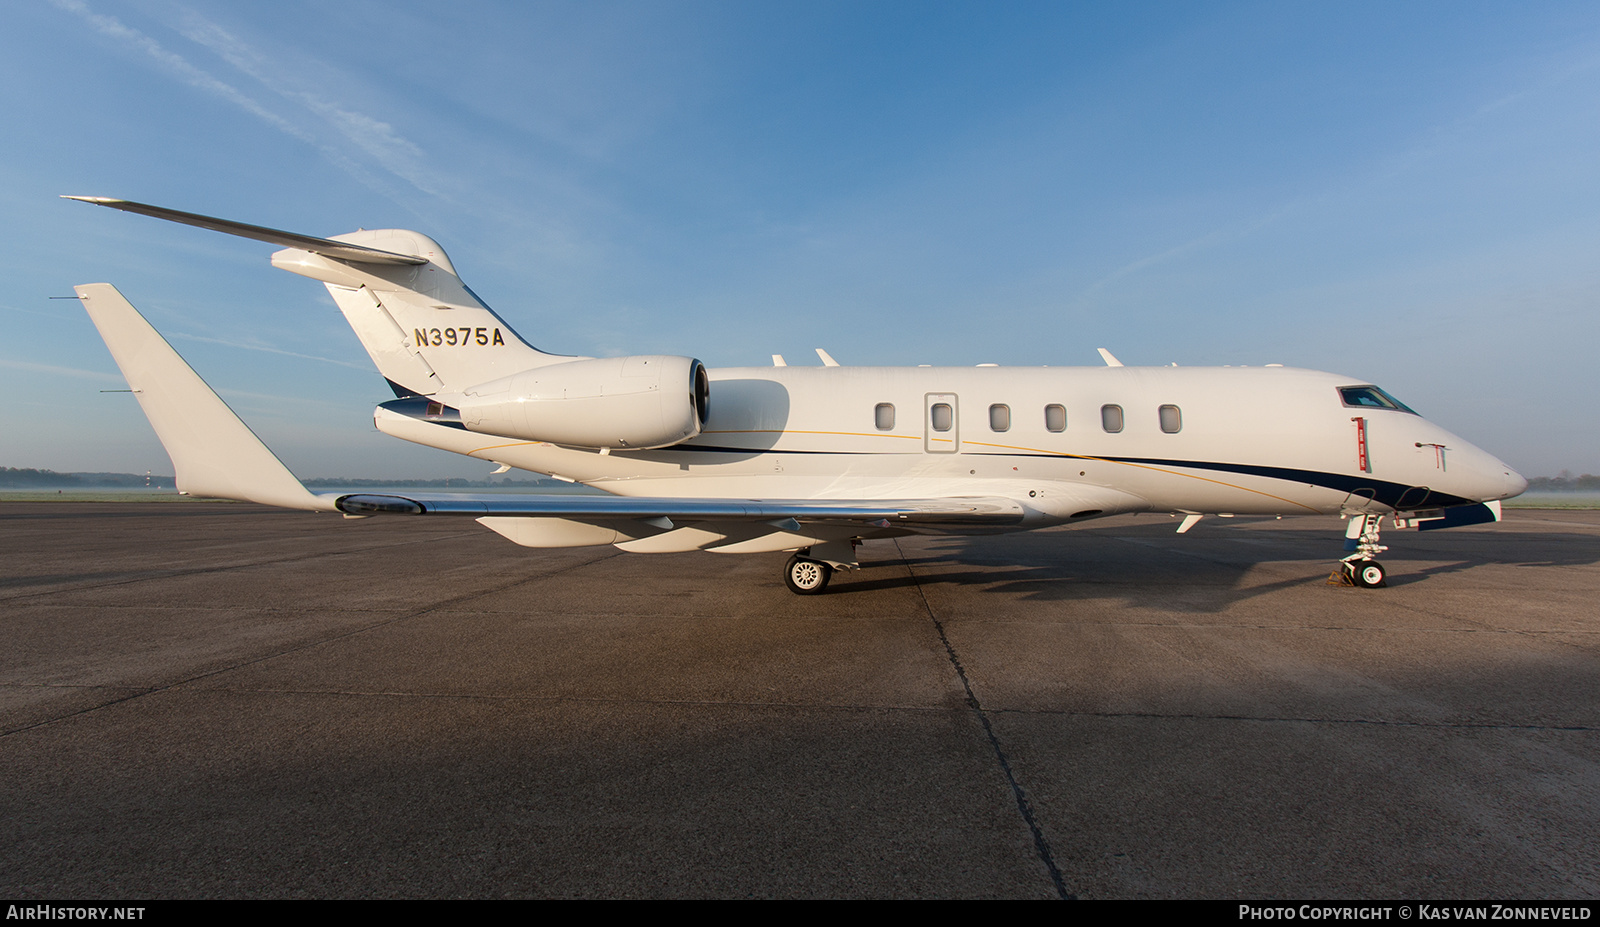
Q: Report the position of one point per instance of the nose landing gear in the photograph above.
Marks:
(1361, 568)
(1367, 574)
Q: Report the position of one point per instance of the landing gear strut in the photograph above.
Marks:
(805, 576)
(1362, 568)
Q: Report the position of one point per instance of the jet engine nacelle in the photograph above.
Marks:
(608, 402)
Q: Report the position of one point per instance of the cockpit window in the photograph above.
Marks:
(1370, 397)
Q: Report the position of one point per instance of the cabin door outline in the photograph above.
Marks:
(941, 423)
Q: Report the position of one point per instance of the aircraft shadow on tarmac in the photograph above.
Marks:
(1087, 564)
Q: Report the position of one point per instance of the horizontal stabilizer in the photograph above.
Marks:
(212, 451)
(334, 249)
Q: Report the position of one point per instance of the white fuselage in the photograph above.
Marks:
(1247, 440)
(810, 460)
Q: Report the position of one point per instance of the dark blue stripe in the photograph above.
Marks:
(1391, 494)
(1394, 495)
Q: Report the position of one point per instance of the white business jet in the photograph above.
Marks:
(805, 459)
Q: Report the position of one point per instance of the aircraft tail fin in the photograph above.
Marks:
(213, 452)
(426, 331)
(421, 325)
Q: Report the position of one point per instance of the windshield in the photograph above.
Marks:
(1370, 397)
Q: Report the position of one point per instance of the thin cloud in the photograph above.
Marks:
(271, 350)
(1196, 244)
(32, 367)
(395, 153)
(276, 399)
(1441, 139)
(98, 376)
(48, 315)
(176, 64)
(180, 67)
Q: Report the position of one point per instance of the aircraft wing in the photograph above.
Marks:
(653, 524)
(215, 454)
(659, 525)
(972, 510)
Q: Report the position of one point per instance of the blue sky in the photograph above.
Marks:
(1405, 193)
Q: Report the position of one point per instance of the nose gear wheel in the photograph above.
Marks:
(1362, 568)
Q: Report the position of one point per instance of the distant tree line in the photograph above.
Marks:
(28, 478)
(1566, 482)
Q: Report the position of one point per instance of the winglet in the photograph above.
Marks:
(1106, 356)
(212, 451)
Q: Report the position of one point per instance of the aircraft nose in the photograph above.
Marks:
(1485, 477)
(1516, 484)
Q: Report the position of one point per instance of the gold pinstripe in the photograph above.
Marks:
(1008, 447)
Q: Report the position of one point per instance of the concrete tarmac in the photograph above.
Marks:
(224, 701)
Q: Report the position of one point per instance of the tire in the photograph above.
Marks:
(806, 577)
(1368, 574)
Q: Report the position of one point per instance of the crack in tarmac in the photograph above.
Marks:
(1041, 843)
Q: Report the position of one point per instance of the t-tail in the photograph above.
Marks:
(426, 331)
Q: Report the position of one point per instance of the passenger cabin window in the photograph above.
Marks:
(1055, 417)
(883, 416)
(1370, 397)
(1171, 419)
(1111, 418)
(942, 416)
(999, 417)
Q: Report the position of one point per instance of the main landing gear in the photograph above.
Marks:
(808, 571)
(805, 576)
(1361, 568)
